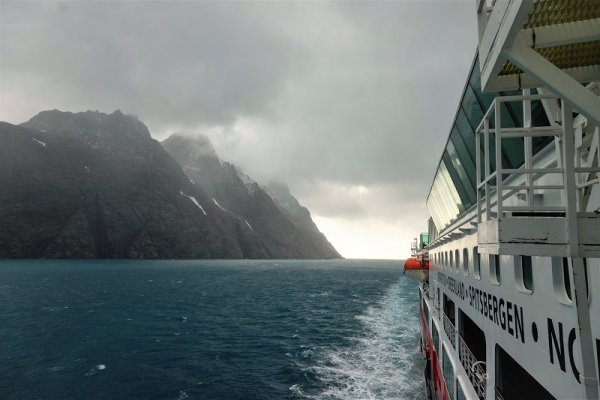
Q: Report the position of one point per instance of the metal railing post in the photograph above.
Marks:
(498, 156)
(486, 158)
(528, 147)
(478, 168)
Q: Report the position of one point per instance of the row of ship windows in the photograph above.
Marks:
(451, 260)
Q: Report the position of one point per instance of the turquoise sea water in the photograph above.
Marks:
(208, 330)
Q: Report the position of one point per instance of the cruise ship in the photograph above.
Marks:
(509, 268)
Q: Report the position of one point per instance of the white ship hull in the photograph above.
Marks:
(510, 308)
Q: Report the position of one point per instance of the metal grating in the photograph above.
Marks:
(474, 369)
(450, 330)
(567, 56)
(550, 12)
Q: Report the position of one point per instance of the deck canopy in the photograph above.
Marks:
(542, 43)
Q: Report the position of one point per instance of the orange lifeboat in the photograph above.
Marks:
(417, 268)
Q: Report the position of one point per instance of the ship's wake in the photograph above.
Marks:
(383, 362)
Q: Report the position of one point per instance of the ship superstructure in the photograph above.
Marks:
(510, 308)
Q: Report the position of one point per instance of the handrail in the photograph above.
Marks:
(450, 330)
(474, 368)
(498, 394)
(491, 183)
(506, 99)
(425, 287)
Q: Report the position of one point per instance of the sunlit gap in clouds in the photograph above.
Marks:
(376, 221)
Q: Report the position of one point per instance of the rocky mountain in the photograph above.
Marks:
(92, 185)
(242, 197)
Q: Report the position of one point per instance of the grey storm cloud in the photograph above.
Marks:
(328, 96)
(184, 62)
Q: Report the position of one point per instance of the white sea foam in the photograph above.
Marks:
(182, 395)
(95, 370)
(384, 360)
(297, 390)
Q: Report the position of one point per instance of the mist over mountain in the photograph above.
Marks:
(283, 225)
(93, 185)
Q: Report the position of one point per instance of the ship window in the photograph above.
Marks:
(587, 284)
(524, 274)
(466, 153)
(456, 173)
(459, 166)
(465, 260)
(451, 260)
(456, 260)
(476, 263)
(566, 277)
(527, 272)
(448, 372)
(485, 99)
(494, 266)
(435, 337)
(472, 108)
(514, 382)
(561, 279)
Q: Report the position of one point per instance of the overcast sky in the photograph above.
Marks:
(349, 103)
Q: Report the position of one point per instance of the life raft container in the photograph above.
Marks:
(417, 269)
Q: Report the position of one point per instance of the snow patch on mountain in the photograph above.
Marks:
(193, 199)
(218, 205)
(39, 141)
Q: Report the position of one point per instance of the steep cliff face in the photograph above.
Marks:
(242, 197)
(92, 185)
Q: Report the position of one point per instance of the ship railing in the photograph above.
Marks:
(490, 136)
(498, 395)
(450, 330)
(491, 184)
(475, 368)
(512, 184)
(425, 287)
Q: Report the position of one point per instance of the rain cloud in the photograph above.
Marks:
(348, 102)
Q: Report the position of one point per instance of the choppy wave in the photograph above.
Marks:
(383, 362)
(343, 329)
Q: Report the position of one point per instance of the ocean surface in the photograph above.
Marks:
(208, 330)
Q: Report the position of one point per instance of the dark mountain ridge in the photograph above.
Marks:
(239, 195)
(92, 185)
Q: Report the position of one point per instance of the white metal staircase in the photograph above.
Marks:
(537, 209)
